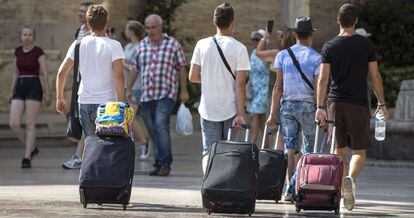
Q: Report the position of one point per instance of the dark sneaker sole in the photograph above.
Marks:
(26, 166)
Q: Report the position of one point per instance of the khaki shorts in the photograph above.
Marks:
(352, 124)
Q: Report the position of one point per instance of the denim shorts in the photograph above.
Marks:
(296, 116)
(87, 117)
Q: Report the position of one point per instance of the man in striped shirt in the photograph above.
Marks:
(161, 64)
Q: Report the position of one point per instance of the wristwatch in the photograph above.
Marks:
(321, 107)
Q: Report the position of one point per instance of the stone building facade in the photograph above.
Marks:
(56, 22)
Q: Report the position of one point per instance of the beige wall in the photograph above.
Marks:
(194, 19)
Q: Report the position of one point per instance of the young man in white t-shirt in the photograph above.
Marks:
(100, 67)
(222, 94)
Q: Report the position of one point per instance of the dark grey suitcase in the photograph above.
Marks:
(229, 184)
(272, 170)
(107, 171)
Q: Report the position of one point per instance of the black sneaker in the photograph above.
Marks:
(155, 171)
(165, 170)
(26, 163)
(34, 153)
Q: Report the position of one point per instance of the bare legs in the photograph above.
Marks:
(79, 147)
(137, 129)
(16, 112)
(356, 164)
(257, 122)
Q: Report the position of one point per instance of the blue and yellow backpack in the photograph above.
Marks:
(114, 119)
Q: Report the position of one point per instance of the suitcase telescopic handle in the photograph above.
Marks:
(245, 126)
(315, 147)
(266, 133)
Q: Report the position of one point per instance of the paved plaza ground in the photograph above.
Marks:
(47, 190)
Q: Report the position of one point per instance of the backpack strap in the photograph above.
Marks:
(297, 65)
(223, 57)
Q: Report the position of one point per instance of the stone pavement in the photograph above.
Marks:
(47, 190)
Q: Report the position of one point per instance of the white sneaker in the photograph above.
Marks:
(74, 163)
(349, 192)
(144, 151)
(288, 197)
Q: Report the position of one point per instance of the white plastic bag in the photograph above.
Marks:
(184, 122)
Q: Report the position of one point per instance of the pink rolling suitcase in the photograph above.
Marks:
(319, 178)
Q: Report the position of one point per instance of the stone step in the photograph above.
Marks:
(50, 140)
(50, 131)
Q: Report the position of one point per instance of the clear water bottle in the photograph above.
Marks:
(380, 126)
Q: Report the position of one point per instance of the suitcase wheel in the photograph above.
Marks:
(336, 211)
(297, 209)
(124, 206)
(276, 201)
(84, 204)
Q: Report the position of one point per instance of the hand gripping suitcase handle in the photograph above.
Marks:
(266, 133)
(245, 126)
(315, 147)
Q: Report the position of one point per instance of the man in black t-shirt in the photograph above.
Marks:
(346, 60)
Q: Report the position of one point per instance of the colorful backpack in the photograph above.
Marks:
(114, 119)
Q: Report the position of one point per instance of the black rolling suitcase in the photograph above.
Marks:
(107, 171)
(272, 170)
(230, 182)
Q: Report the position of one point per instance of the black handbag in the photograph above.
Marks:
(74, 130)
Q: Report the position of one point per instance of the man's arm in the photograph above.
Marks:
(195, 73)
(119, 79)
(276, 96)
(240, 97)
(315, 85)
(132, 77)
(183, 85)
(61, 105)
(376, 81)
(321, 90)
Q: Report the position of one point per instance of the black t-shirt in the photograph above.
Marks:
(349, 57)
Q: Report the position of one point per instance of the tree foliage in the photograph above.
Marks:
(166, 9)
(391, 23)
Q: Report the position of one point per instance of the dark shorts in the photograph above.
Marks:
(352, 124)
(28, 88)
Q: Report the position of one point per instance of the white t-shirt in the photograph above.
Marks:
(218, 88)
(96, 55)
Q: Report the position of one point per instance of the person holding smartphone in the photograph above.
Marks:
(257, 104)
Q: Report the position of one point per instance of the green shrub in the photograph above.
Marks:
(392, 78)
(391, 23)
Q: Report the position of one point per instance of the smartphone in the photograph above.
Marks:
(270, 26)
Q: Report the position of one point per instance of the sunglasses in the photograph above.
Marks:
(255, 40)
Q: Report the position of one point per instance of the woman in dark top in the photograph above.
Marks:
(30, 84)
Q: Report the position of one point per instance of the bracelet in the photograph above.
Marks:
(381, 105)
(321, 107)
